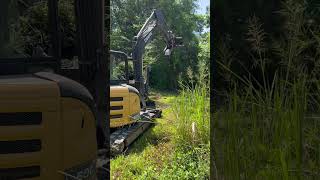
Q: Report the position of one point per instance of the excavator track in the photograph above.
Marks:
(122, 138)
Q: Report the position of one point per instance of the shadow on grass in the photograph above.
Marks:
(149, 138)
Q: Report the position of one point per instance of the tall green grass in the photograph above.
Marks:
(261, 137)
(192, 114)
(191, 159)
(191, 110)
(262, 131)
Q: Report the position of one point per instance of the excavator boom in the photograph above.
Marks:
(156, 21)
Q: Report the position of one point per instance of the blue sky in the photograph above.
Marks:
(202, 6)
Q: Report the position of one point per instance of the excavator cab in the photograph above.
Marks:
(119, 70)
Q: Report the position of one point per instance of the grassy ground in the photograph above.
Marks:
(155, 155)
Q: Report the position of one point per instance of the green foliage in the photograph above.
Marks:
(29, 26)
(282, 22)
(10, 41)
(67, 20)
(160, 69)
(191, 164)
(34, 27)
(204, 53)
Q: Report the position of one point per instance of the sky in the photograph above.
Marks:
(202, 6)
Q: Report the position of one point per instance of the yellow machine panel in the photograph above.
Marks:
(79, 143)
(124, 102)
(42, 134)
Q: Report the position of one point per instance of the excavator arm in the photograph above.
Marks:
(145, 35)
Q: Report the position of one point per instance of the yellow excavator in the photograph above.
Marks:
(129, 102)
(53, 127)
